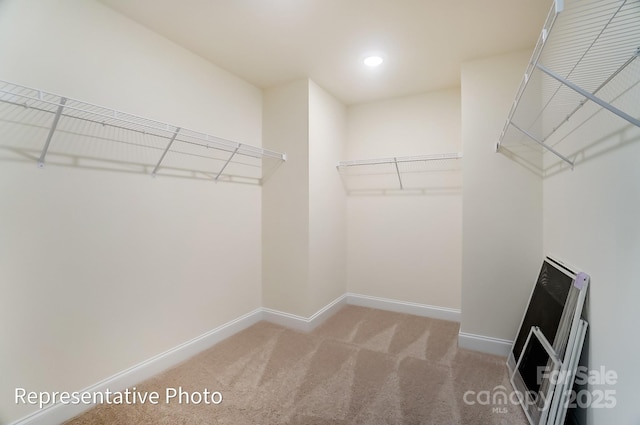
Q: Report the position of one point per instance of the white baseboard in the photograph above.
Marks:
(308, 324)
(300, 323)
(424, 310)
(58, 413)
(485, 344)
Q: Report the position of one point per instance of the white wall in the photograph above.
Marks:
(285, 199)
(502, 212)
(304, 210)
(102, 270)
(588, 218)
(591, 221)
(406, 245)
(327, 202)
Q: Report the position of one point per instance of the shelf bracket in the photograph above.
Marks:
(543, 144)
(228, 161)
(590, 96)
(63, 101)
(604, 83)
(395, 161)
(175, 134)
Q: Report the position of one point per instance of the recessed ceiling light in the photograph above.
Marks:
(373, 61)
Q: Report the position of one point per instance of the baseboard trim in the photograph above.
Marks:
(424, 310)
(59, 413)
(485, 344)
(304, 324)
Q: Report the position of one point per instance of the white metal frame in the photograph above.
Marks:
(560, 266)
(566, 346)
(584, 46)
(537, 414)
(573, 348)
(558, 409)
(396, 161)
(15, 98)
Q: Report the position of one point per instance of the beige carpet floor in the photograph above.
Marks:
(362, 366)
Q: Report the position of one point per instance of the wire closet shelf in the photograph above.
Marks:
(586, 61)
(406, 172)
(50, 127)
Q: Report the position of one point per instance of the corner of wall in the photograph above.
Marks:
(502, 210)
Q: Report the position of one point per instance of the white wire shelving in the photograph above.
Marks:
(49, 128)
(586, 62)
(419, 172)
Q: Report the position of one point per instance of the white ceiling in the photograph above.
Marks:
(268, 42)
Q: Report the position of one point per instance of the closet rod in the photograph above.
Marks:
(396, 160)
(110, 117)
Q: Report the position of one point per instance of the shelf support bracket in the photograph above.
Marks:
(590, 96)
(56, 119)
(543, 144)
(227, 163)
(395, 161)
(175, 134)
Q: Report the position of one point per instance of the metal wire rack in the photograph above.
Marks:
(586, 60)
(406, 172)
(53, 128)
